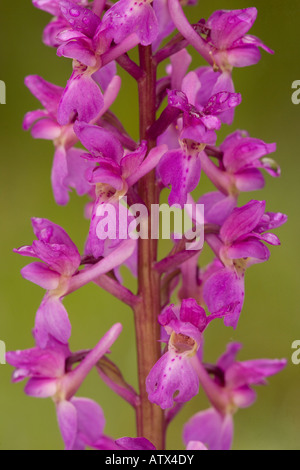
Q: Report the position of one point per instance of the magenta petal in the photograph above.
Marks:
(243, 56)
(132, 161)
(224, 289)
(58, 176)
(136, 443)
(190, 84)
(106, 443)
(217, 207)
(180, 171)
(199, 132)
(229, 26)
(90, 419)
(211, 122)
(40, 274)
(270, 221)
(250, 41)
(249, 249)
(52, 30)
(46, 129)
(249, 180)
(99, 141)
(32, 116)
(105, 174)
(60, 258)
(47, 93)
(79, 49)
(48, 232)
(71, 34)
(105, 75)
(270, 238)
(167, 316)
(82, 99)
(242, 221)
(208, 79)
(47, 5)
(99, 238)
(191, 312)
(221, 102)
(253, 41)
(41, 388)
(52, 319)
(253, 372)
(244, 397)
(211, 428)
(242, 152)
(67, 421)
(37, 363)
(165, 23)
(81, 19)
(180, 63)
(224, 83)
(77, 168)
(128, 16)
(172, 373)
(151, 161)
(229, 357)
(54, 247)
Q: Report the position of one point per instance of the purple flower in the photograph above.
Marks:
(174, 371)
(82, 98)
(59, 23)
(81, 421)
(61, 261)
(128, 17)
(68, 168)
(59, 275)
(227, 39)
(211, 83)
(229, 390)
(240, 158)
(225, 285)
(81, 19)
(200, 124)
(181, 168)
(76, 42)
(239, 246)
(223, 42)
(217, 206)
(115, 172)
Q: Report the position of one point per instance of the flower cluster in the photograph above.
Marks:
(115, 171)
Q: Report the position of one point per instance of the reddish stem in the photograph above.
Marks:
(150, 418)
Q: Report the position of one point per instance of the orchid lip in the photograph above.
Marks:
(183, 344)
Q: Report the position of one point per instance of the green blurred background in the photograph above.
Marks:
(270, 320)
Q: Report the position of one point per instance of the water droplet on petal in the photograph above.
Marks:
(74, 12)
